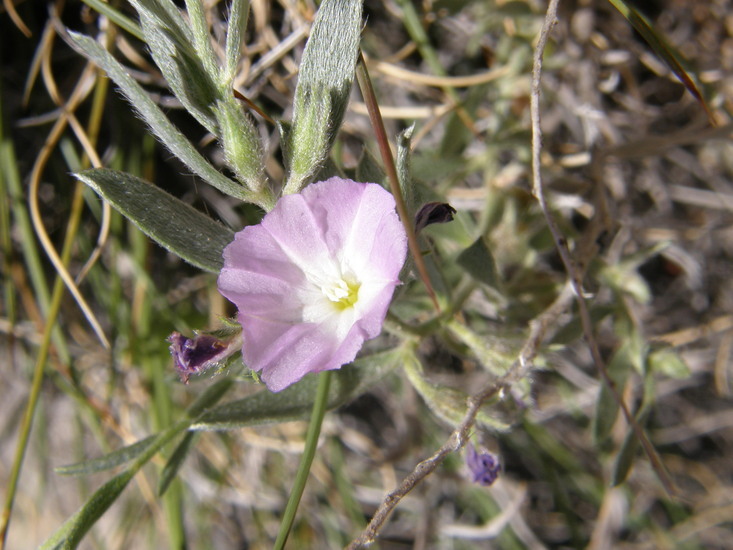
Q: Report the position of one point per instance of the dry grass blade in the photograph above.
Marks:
(413, 77)
(10, 8)
(84, 86)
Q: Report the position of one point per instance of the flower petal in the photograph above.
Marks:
(314, 279)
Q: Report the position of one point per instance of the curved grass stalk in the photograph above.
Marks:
(67, 116)
(62, 278)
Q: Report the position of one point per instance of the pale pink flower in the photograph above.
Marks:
(314, 279)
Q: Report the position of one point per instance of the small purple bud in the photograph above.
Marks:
(195, 355)
(484, 466)
(433, 212)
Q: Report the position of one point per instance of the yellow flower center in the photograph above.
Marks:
(343, 293)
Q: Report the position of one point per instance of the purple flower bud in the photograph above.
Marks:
(433, 212)
(195, 355)
(484, 466)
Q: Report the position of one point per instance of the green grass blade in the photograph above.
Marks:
(116, 17)
(175, 462)
(664, 50)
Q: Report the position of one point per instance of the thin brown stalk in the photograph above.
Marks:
(367, 91)
(539, 328)
(574, 274)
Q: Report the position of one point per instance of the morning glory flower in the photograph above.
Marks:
(484, 466)
(313, 280)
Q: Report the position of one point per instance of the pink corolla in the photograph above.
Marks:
(314, 279)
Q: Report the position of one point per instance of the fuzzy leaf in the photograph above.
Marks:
(574, 328)
(625, 458)
(295, 402)
(149, 111)
(108, 461)
(201, 38)
(208, 397)
(368, 169)
(238, 14)
(73, 530)
(322, 94)
(242, 147)
(491, 357)
(404, 174)
(116, 16)
(607, 407)
(668, 362)
(448, 404)
(173, 44)
(167, 220)
(479, 263)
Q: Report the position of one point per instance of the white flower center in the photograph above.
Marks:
(342, 292)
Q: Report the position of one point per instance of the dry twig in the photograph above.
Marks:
(562, 247)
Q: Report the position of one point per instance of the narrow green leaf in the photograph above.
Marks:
(404, 169)
(238, 15)
(206, 399)
(625, 459)
(174, 47)
(447, 403)
(322, 94)
(241, 144)
(479, 263)
(202, 38)
(168, 134)
(111, 460)
(167, 220)
(493, 358)
(574, 328)
(295, 402)
(664, 50)
(607, 407)
(170, 470)
(209, 397)
(73, 530)
(668, 362)
(116, 17)
(368, 169)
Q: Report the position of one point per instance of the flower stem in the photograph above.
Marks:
(311, 442)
